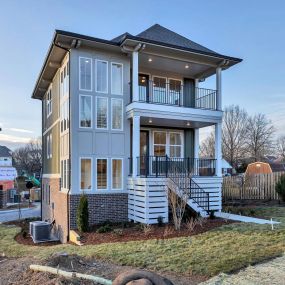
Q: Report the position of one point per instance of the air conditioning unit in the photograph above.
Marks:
(40, 231)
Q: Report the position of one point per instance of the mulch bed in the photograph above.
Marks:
(138, 232)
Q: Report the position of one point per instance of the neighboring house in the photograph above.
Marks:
(227, 168)
(121, 121)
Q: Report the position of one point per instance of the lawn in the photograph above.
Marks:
(223, 249)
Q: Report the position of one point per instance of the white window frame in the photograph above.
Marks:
(168, 88)
(49, 101)
(48, 145)
(182, 143)
(121, 64)
(91, 76)
(107, 123)
(91, 125)
(91, 178)
(107, 182)
(50, 148)
(107, 77)
(122, 173)
(122, 114)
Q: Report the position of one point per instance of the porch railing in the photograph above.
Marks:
(176, 95)
(164, 166)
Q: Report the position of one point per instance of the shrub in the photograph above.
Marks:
(82, 214)
(280, 187)
(104, 229)
(160, 221)
(212, 215)
(118, 232)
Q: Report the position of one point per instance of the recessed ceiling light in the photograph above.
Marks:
(150, 59)
(188, 124)
(86, 61)
(187, 66)
(150, 120)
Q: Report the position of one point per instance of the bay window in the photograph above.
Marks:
(85, 73)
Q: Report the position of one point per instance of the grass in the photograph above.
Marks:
(224, 249)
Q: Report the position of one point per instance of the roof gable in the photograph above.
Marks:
(5, 151)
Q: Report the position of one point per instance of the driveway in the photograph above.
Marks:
(12, 215)
(271, 272)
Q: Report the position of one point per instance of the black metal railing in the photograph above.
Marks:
(164, 166)
(174, 94)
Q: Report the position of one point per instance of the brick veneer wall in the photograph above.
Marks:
(102, 207)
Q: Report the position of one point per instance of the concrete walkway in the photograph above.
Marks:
(245, 219)
(12, 215)
(271, 272)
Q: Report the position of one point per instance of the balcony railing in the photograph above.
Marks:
(164, 166)
(176, 94)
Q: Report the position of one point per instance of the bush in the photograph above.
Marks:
(104, 229)
(82, 214)
(280, 187)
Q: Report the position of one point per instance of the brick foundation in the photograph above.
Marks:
(102, 207)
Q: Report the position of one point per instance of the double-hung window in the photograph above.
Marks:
(159, 143)
(101, 113)
(117, 78)
(117, 174)
(101, 76)
(117, 114)
(85, 106)
(175, 145)
(85, 74)
(102, 173)
(49, 102)
(85, 173)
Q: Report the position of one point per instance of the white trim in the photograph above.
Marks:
(91, 126)
(91, 76)
(51, 148)
(121, 64)
(181, 134)
(107, 76)
(153, 144)
(47, 146)
(107, 113)
(122, 114)
(107, 174)
(91, 173)
(49, 101)
(122, 174)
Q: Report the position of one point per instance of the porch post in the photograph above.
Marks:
(219, 88)
(218, 148)
(136, 144)
(135, 76)
(196, 143)
(196, 91)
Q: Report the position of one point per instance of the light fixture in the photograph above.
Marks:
(150, 121)
(150, 59)
(188, 124)
(87, 61)
(187, 66)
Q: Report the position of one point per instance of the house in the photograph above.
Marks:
(121, 121)
(227, 169)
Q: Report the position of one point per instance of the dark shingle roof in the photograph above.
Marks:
(160, 34)
(5, 151)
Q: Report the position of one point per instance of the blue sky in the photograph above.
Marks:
(252, 30)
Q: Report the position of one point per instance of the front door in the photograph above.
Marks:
(144, 152)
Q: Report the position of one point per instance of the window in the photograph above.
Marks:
(101, 76)
(64, 80)
(102, 170)
(117, 78)
(64, 171)
(117, 174)
(175, 145)
(85, 73)
(85, 106)
(159, 143)
(85, 174)
(49, 103)
(49, 146)
(174, 91)
(101, 113)
(159, 90)
(117, 114)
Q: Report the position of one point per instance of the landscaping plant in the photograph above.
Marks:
(280, 187)
(82, 214)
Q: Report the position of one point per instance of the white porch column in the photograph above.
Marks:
(196, 143)
(136, 144)
(135, 76)
(219, 87)
(218, 148)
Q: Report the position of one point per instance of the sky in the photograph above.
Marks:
(252, 30)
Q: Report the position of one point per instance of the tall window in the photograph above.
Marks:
(175, 145)
(117, 78)
(117, 114)
(64, 80)
(49, 103)
(102, 173)
(117, 174)
(101, 76)
(101, 113)
(174, 91)
(49, 146)
(159, 143)
(85, 174)
(159, 90)
(85, 73)
(85, 111)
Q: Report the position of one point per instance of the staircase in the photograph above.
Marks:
(187, 189)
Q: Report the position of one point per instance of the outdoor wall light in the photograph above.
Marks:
(150, 59)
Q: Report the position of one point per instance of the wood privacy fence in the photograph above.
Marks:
(251, 187)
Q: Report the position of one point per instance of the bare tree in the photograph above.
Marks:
(280, 147)
(259, 136)
(28, 158)
(207, 148)
(235, 125)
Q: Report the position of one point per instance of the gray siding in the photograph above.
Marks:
(189, 143)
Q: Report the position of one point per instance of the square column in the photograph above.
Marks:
(219, 87)
(135, 76)
(136, 145)
(218, 149)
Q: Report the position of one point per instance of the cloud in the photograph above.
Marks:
(13, 139)
(20, 130)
